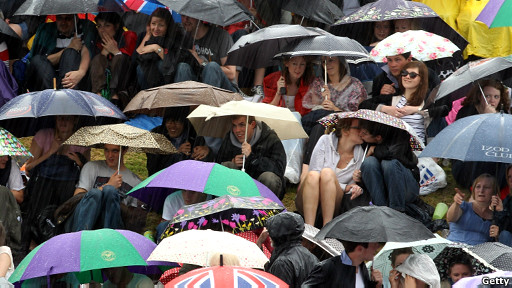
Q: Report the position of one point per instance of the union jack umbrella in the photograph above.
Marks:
(226, 277)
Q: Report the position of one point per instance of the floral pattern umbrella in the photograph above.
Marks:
(10, 145)
(424, 46)
(237, 214)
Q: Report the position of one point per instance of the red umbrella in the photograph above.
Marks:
(226, 277)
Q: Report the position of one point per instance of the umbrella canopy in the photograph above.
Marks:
(207, 177)
(84, 251)
(495, 253)
(196, 247)
(11, 146)
(375, 224)
(496, 14)
(424, 46)
(238, 214)
(52, 7)
(356, 25)
(330, 45)
(185, 93)
(455, 250)
(218, 12)
(332, 246)
(21, 110)
(256, 50)
(482, 137)
(323, 11)
(476, 281)
(138, 140)
(216, 121)
(473, 71)
(227, 277)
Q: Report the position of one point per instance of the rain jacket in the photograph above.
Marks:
(267, 154)
(290, 261)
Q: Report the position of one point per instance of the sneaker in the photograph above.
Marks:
(257, 92)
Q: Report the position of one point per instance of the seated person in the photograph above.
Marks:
(419, 270)
(265, 158)
(334, 159)
(472, 222)
(59, 52)
(178, 129)
(460, 267)
(397, 257)
(6, 261)
(121, 277)
(103, 183)
(211, 46)
(390, 172)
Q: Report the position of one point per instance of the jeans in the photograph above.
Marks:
(41, 71)
(506, 238)
(389, 183)
(102, 207)
(212, 75)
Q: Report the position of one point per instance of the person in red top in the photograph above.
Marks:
(114, 48)
(286, 88)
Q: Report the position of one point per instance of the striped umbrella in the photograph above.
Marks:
(496, 14)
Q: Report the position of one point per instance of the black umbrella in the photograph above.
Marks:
(51, 7)
(257, 49)
(219, 12)
(495, 253)
(323, 11)
(375, 224)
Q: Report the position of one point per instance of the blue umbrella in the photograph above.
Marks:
(483, 137)
(52, 102)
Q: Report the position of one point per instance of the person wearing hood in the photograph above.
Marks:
(265, 158)
(419, 270)
(290, 261)
(176, 127)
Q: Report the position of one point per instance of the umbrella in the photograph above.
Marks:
(138, 140)
(239, 214)
(206, 177)
(356, 25)
(218, 12)
(482, 137)
(186, 93)
(52, 7)
(84, 251)
(21, 110)
(330, 45)
(211, 121)
(375, 116)
(256, 49)
(227, 277)
(424, 46)
(444, 259)
(477, 281)
(329, 245)
(374, 224)
(196, 246)
(10, 145)
(473, 71)
(323, 11)
(495, 253)
(496, 14)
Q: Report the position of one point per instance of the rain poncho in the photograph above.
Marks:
(422, 267)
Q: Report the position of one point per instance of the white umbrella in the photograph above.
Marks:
(196, 246)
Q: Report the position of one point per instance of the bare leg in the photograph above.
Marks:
(329, 190)
(308, 197)
(303, 174)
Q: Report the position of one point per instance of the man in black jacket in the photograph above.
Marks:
(265, 158)
(347, 270)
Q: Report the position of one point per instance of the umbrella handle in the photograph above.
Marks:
(245, 140)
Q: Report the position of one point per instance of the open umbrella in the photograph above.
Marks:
(52, 7)
(375, 224)
(256, 50)
(10, 145)
(22, 114)
(196, 247)
(216, 121)
(227, 277)
(424, 46)
(236, 214)
(482, 137)
(185, 93)
(455, 250)
(332, 246)
(495, 253)
(323, 11)
(477, 281)
(206, 177)
(496, 14)
(84, 251)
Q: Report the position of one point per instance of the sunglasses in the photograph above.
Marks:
(412, 75)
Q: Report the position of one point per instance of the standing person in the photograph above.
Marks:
(334, 159)
(348, 269)
(61, 52)
(114, 47)
(290, 261)
(265, 159)
(293, 80)
(210, 50)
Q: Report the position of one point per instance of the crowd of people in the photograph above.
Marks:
(352, 163)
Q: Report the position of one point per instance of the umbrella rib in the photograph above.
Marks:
(463, 130)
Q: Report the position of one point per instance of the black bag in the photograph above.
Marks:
(59, 167)
(45, 226)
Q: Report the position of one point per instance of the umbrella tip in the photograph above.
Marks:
(54, 83)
